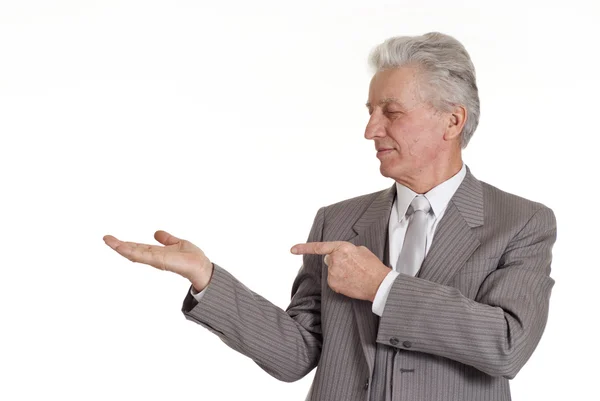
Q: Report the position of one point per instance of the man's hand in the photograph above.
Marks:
(354, 271)
(178, 255)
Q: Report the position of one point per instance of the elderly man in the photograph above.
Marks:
(436, 288)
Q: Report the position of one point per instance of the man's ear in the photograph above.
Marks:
(456, 121)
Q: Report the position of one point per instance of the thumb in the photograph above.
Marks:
(165, 238)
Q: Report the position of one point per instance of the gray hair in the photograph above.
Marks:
(446, 65)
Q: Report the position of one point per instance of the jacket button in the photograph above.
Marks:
(394, 341)
(366, 386)
(407, 344)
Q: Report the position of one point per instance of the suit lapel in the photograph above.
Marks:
(454, 241)
(372, 228)
(452, 245)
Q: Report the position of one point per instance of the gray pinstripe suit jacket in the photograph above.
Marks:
(460, 329)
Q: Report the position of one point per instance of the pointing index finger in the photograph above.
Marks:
(315, 248)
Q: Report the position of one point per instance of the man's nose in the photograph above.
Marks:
(375, 127)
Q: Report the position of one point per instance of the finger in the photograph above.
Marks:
(126, 247)
(111, 241)
(143, 247)
(165, 238)
(326, 259)
(316, 248)
(114, 243)
(141, 253)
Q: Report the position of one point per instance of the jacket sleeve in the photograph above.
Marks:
(498, 330)
(286, 344)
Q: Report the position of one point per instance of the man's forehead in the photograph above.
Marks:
(394, 85)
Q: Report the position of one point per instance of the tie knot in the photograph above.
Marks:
(419, 203)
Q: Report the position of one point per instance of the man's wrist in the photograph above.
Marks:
(381, 276)
(383, 291)
(202, 279)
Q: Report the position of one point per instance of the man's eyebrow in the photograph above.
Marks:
(386, 101)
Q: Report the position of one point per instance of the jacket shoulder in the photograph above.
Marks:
(342, 215)
(507, 209)
(348, 206)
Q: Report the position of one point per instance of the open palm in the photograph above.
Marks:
(178, 255)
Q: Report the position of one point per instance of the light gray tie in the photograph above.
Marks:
(413, 250)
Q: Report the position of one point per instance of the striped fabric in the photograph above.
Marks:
(458, 331)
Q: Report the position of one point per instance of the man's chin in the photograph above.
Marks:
(385, 171)
(390, 172)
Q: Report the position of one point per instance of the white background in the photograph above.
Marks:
(221, 122)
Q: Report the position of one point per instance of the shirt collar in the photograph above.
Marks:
(438, 196)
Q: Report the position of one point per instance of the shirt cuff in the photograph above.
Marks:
(383, 292)
(197, 295)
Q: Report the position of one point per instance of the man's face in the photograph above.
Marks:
(407, 131)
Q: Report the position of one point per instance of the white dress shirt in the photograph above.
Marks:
(438, 198)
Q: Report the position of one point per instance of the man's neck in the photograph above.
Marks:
(423, 181)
